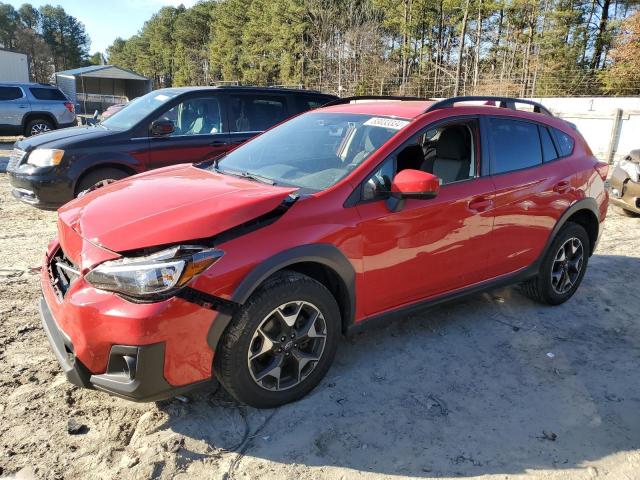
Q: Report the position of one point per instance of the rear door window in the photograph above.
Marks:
(10, 93)
(564, 142)
(515, 145)
(255, 113)
(47, 94)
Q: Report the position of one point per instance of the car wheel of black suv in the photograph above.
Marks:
(280, 343)
(563, 267)
(98, 178)
(37, 126)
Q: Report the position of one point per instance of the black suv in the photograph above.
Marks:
(164, 127)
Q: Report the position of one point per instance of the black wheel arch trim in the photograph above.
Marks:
(324, 254)
(34, 114)
(584, 204)
(81, 165)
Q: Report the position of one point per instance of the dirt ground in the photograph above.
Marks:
(494, 386)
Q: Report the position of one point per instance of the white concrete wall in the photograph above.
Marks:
(14, 67)
(595, 118)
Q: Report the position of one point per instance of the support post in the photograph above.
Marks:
(615, 136)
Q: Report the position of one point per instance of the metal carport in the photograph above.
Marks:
(98, 86)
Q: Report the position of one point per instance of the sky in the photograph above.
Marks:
(104, 20)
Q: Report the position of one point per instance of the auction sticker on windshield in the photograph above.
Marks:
(394, 123)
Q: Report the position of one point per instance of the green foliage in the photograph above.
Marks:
(53, 39)
(419, 47)
(65, 36)
(622, 77)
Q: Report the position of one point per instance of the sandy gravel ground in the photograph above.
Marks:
(494, 386)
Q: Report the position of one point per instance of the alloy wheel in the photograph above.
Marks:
(287, 346)
(101, 183)
(37, 128)
(567, 266)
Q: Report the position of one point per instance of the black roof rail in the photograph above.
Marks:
(344, 100)
(503, 102)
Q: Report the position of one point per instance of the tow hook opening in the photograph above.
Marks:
(123, 361)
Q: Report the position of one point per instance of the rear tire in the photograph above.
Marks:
(562, 268)
(98, 178)
(38, 126)
(265, 359)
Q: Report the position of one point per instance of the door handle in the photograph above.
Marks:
(480, 204)
(562, 187)
(218, 143)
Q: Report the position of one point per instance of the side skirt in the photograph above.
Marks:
(392, 315)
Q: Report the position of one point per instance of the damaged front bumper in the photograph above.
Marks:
(133, 372)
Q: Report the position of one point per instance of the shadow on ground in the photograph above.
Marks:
(5, 148)
(492, 384)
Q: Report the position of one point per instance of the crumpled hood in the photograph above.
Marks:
(169, 205)
(63, 138)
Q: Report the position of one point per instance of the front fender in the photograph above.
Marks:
(320, 253)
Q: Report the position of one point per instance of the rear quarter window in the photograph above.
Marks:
(47, 94)
(10, 93)
(564, 142)
(515, 145)
(548, 148)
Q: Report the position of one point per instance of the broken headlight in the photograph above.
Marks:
(158, 274)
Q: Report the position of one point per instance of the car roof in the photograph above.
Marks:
(27, 84)
(179, 90)
(410, 109)
(388, 108)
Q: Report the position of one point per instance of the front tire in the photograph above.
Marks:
(563, 267)
(281, 343)
(98, 178)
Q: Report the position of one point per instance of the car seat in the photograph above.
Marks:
(452, 159)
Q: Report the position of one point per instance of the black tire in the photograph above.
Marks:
(37, 126)
(231, 362)
(629, 213)
(91, 181)
(541, 288)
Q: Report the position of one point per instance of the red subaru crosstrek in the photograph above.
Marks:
(249, 267)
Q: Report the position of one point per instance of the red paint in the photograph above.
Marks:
(408, 182)
(166, 206)
(472, 231)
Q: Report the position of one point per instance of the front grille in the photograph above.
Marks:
(62, 273)
(15, 158)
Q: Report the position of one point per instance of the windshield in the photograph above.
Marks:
(312, 151)
(137, 109)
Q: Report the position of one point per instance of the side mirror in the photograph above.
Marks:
(412, 184)
(162, 128)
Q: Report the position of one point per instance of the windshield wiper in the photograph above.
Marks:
(245, 174)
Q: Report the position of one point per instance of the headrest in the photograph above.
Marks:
(453, 143)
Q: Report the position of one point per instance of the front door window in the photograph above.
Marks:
(195, 116)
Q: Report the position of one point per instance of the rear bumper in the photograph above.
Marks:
(140, 378)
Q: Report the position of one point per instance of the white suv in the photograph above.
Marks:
(32, 108)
